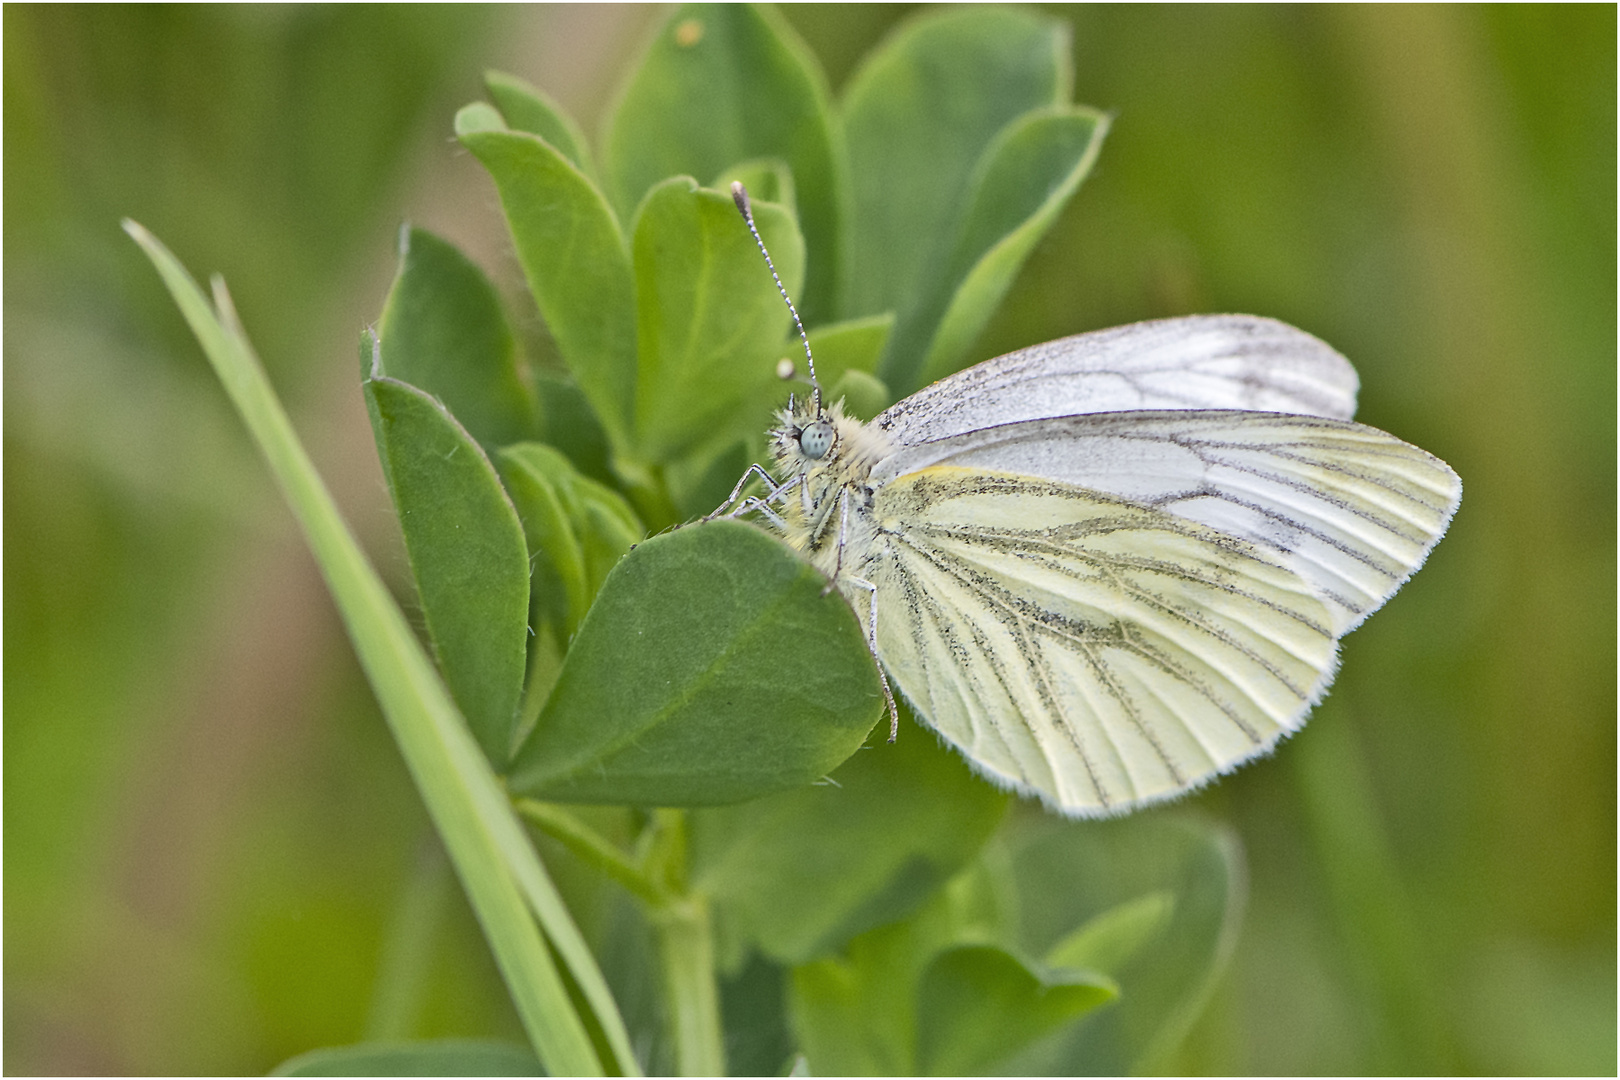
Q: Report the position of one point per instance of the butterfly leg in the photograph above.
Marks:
(871, 647)
(843, 531)
(736, 492)
(752, 504)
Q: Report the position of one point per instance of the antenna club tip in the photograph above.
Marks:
(739, 195)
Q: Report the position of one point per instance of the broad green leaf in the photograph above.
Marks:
(466, 550)
(430, 1057)
(712, 668)
(1027, 176)
(1106, 880)
(527, 108)
(918, 116)
(507, 886)
(723, 84)
(710, 323)
(443, 331)
(577, 529)
(799, 874)
(574, 257)
(978, 1004)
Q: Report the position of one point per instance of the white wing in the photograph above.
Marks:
(1351, 510)
(1198, 362)
(1096, 652)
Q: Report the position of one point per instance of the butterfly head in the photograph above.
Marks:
(805, 436)
(807, 440)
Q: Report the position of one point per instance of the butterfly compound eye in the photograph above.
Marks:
(816, 439)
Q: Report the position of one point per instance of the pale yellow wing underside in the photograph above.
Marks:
(1110, 610)
(1093, 651)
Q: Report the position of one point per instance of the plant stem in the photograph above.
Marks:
(593, 848)
(680, 921)
(686, 949)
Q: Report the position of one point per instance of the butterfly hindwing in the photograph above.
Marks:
(1076, 645)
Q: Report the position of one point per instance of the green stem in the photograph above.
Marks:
(685, 935)
(593, 848)
(686, 949)
(680, 920)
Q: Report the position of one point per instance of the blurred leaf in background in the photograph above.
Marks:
(207, 828)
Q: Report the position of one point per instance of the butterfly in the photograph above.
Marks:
(1113, 566)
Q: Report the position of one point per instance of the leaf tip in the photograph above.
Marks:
(478, 117)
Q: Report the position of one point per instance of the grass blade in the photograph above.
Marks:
(472, 814)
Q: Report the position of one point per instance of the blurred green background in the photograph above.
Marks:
(208, 835)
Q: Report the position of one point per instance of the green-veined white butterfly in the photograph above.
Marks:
(1113, 566)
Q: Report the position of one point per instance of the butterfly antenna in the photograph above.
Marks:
(739, 195)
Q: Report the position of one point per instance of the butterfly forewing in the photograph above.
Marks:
(1196, 362)
(1097, 652)
(1350, 509)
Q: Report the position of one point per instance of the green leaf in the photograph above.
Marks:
(1108, 941)
(576, 528)
(767, 179)
(527, 108)
(918, 116)
(978, 1004)
(1081, 894)
(443, 331)
(852, 345)
(799, 874)
(1109, 879)
(856, 1015)
(723, 84)
(574, 257)
(467, 554)
(568, 422)
(498, 868)
(429, 1057)
(557, 589)
(1027, 176)
(863, 395)
(710, 323)
(712, 668)
(754, 1007)
(700, 481)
